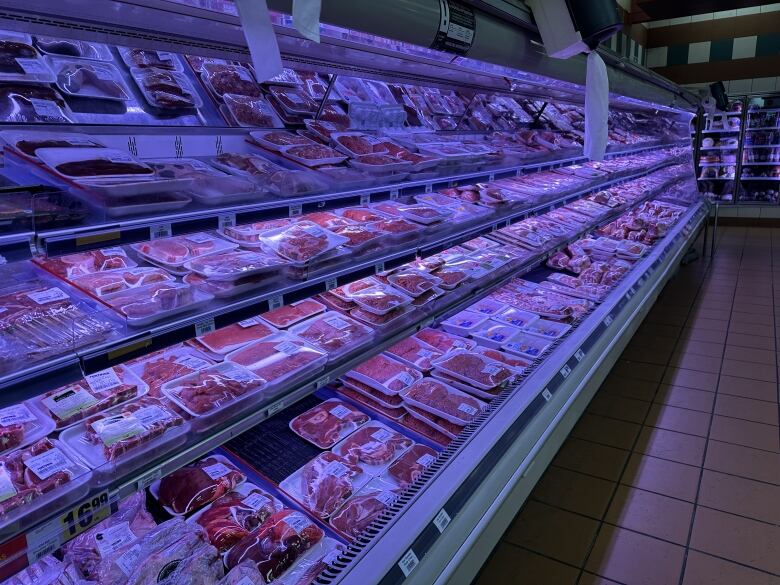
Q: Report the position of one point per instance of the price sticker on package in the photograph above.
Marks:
(226, 220)
(408, 562)
(159, 231)
(442, 520)
(203, 327)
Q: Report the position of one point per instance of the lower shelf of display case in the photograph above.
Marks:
(450, 526)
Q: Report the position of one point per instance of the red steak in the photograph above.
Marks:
(195, 485)
(409, 466)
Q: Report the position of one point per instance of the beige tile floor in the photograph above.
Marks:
(672, 476)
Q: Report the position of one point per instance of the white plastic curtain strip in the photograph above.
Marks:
(260, 38)
(596, 108)
(306, 18)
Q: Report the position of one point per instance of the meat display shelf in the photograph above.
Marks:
(755, 164)
(759, 178)
(444, 532)
(16, 247)
(752, 146)
(735, 147)
(33, 537)
(762, 129)
(20, 385)
(67, 241)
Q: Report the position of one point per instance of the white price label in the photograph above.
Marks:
(44, 297)
(546, 394)
(16, 414)
(340, 411)
(113, 538)
(31, 66)
(129, 560)
(382, 435)
(379, 267)
(365, 198)
(565, 371)
(428, 187)
(607, 320)
(193, 362)
(467, 408)
(42, 542)
(199, 238)
(337, 323)
(441, 520)
(103, 380)
(226, 220)
(46, 108)
(579, 355)
(216, 470)
(426, 459)
(275, 407)
(48, 463)
(331, 283)
(69, 402)
(321, 382)
(251, 322)
(275, 302)
(408, 562)
(287, 347)
(296, 210)
(203, 327)
(256, 500)
(148, 479)
(393, 194)
(159, 231)
(336, 469)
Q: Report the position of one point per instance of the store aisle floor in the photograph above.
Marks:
(672, 475)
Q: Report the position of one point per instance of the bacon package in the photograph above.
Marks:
(82, 263)
(94, 393)
(288, 315)
(195, 485)
(363, 508)
(327, 423)
(373, 446)
(385, 374)
(405, 470)
(333, 333)
(443, 400)
(276, 544)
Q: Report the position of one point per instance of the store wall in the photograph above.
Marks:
(739, 47)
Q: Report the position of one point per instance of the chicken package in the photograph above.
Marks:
(373, 446)
(143, 428)
(168, 364)
(211, 390)
(324, 483)
(195, 485)
(302, 242)
(443, 400)
(174, 252)
(276, 544)
(371, 403)
(288, 315)
(22, 424)
(129, 523)
(443, 341)
(94, 393)
(245, 573)
(281, 359)
(231, 337)
(474, 369)
(103, 284)
(47, 571)
(414, 352)
(385, 374)
(234, 264)
(37, 475)
(327, 423)
(333, 333)
(405, 470)
(144, 305)
(233, 516)
(73, 265)
(363, 508)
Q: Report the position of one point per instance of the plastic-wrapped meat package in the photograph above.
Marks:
(361, 214)
(276, 544)
(231, 337)
(450, 277)
(288, 315)
(370, 402)
(195, 485)
(177, 250)
(22, 424)
(301, 242)
(202, 565)
(88, 550)
(425, 429)
(314, 154)
(94, 393)
(441, 425)
(73, 265)
(168, 90)
(211, 389)
(224, 78)
(443, 341)
(279, 138)
(250, 233)
(327, 219)
(364, 507)
(244, 574)
(251, 111)
(47, 571)
(327, 423)
(102, 284)
(233, 516)
(168, 364)
(410, 465)
(140, 305)
(333, 333)
(254, 166)
(381, 398)
(293, 100)
(415, 352)
(334, 303)
(234, 264)
(443, 400)
(380, 299)
(385, 374)
(32, 103)
(413, 282)
(359, 236)
(516, 363)
(346, 291)
(396, 226)
(373, 444)
(279, 358)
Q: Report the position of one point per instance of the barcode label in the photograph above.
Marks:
(256, 500)
(382, 435)
(192, 362)
(441, 520)
(103, 381)
(546, 394)
(113, 538)
(408, 562)
(204, 327)
(160, 230)
(340, 411)
(45, 108)
(216, 471)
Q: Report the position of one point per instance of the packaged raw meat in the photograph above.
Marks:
(102, 284)
(385, 374)
(301, 242)
(167, 364)
(371, 403)
(244, 574)
(33, 103)
(334, 303)
(363, 508)
(428, 297)
(233, 79)
(376, 396)
(380, 299)
(73, 48)
(22, 424)
(94, 164)
(474, 369)
(357, 143)
(250, 233)
(327, 423)
(327, 219)
(281, 359)
(494, 334)
(89, 79)
(203, 563)
(20, 61)
(443, 400)
(333, 333)
(146, 304)
(276, 139)
(143, 428)
(443, 341)
(514, 363)
(413, 282)
(321, 557)
(294, 101)
(324, 483)
(464, 323)
(516, 317)
(174, 252)
(547, 329)
(231, 337)
(276, 544)
(346, 291)
(48, 570)
(288, 315)
(527, 346)
(405, 470)
(414, 352)
(234, 264)
(166, 89)
(396, 226)
(211, 390)
(484, 394)
(373, 446)
(233, 516)
(313, 155)
(74, 265)
(94, 393)
(27, 142)
(195, 485)
(378, 163)
(426, 428)
(129, 523)
(488, 306)
(147, 58)
(37, 476)
(450, 277)
(251, 165)
(251, 111)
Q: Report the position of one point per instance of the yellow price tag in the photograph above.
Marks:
(85, 515)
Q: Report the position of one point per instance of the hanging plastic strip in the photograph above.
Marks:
(306, 18)
(596, 108)
(260, 38)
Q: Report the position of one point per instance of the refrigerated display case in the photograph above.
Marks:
(318, 329)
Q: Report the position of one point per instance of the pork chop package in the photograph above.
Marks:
(90, 551)
(324, 483)
(22, 424)
(474, 369)
(226, 339)
(373, 446)
(168, 364)
(244, 574)
(405, 470)
(414, 352)
(333, 333)
(233, 516)
(385, 374)
(47, 571)
(172, 253)
(288, 315)
(443, 400)
(364, 507)
(74, 265)
(431, 421)
(195, 485)
(276, 544)
(327, 423)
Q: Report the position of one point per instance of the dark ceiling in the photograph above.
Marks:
(644, 10)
